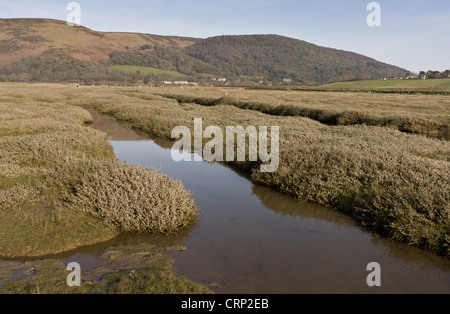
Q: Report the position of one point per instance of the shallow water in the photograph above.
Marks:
(253, 239)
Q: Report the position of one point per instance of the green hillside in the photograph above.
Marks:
(145, 70)
(276, 58)
(163, 58)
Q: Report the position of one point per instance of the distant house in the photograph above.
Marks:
(287, 80)
(181, 83)
(168, 83)
(412, 77)
(434, 75)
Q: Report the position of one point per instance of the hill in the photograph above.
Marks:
(276, 58)
(20, 38)
(50, 50)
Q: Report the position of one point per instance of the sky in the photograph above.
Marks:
(414, 34)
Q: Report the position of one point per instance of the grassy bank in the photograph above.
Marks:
(61, 186)
(144, 269)
(412, 115)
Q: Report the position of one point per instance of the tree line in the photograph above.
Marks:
(434, 74)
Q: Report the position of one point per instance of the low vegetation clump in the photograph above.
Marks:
(152, 281)
(61, 186)
(131, 198)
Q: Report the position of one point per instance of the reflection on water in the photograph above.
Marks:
(114, 130)
(252, 239)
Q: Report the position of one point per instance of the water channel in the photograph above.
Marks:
(253, 239)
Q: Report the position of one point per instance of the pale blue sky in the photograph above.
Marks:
(414, 34)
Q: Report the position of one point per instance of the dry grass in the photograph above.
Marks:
(61, 186)
(408, 113)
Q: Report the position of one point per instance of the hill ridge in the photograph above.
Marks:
(25, 42)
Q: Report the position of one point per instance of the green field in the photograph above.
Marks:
(145, 70)
(435, 84)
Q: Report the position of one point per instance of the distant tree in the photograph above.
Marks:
(62, 70)
(146, 47)
(433, 74)
(363, 77)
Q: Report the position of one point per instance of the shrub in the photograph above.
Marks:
(131, 198)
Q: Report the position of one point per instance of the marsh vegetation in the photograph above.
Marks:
(61, 186)
(395, 183)
(419, 114)
(55, 172)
